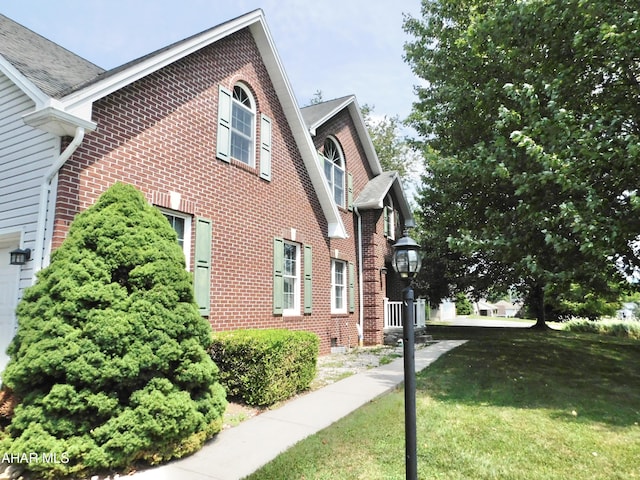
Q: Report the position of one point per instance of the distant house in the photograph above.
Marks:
(284, 214)
(507, 309)
(485, 309)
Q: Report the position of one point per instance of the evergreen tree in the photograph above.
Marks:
(110, 360)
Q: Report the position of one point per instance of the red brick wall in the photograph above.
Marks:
(376, 247)
(159, 134)
(342, 129)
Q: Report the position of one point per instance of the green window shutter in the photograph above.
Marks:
(223, 148)
(278, 276)
(352, 289)
(308, 268)
(265, 147)
(350, 191)
(202, 268)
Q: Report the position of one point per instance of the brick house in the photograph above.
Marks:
(284, 214)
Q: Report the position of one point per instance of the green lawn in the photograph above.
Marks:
(509, 404)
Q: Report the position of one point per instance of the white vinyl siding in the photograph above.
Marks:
(25, 156)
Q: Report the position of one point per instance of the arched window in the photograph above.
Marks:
(334, 169)
(243, 120)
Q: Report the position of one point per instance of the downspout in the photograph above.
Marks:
(360, 324)
(45, 192)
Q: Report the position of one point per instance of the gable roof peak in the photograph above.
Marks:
(319, 113)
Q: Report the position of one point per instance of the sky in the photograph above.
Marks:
(337, 47)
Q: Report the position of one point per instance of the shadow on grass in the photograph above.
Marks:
(587, 376)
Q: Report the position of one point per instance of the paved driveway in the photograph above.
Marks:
(473, 322)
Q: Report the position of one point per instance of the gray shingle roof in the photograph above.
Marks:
(52, 68)
(313, 114)
(372, 195)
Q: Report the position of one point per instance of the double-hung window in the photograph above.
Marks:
(242, 126)
(292, 278)
(291, 274)
(182, 225)
(334, 170)
(338, 286)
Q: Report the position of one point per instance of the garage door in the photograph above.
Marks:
(9, 277)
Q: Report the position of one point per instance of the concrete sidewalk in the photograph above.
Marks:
(239, 451)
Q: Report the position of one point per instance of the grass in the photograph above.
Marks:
(509, 404)
(387, 359)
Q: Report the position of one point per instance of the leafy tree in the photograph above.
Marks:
(463, 305)
(578, 303)
(317, 98)
(109, 360)
(529, 124)
(393, 149)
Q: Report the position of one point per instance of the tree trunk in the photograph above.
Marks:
(538, 301)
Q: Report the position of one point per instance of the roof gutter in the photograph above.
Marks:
(45, 192)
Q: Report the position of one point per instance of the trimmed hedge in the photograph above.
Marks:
(263, 367)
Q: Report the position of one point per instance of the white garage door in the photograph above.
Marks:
(9, 277)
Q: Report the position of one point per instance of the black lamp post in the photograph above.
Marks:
(407, 262)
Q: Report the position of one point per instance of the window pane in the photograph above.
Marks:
(289, 259)
(339, 298)
(328, 169)
(242, 120)
(338, 189)
(177, 224)
(339, 273)
(289, 293)
(240, 148)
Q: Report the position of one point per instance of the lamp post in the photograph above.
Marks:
(407, 262)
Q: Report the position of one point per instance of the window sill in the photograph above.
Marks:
(244, 166)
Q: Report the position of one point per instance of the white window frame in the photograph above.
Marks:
(186, 241)
(295, 276)
(235, 132)
(391, 220)
(335, 162)
(336, 286)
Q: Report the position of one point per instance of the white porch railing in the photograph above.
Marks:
(393, 313)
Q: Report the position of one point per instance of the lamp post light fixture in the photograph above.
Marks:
(407, 262)
(19, 256)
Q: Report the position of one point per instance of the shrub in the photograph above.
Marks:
(110, 357)
(265, 366)
(614, 328)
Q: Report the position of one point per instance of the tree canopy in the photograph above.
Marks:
(529, 126)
